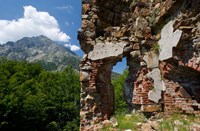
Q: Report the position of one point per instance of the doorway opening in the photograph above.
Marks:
(118, 77)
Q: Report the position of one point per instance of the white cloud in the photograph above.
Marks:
(33, 23)
(72, 47)
(69, 24)
(69, 8)
(65, 7)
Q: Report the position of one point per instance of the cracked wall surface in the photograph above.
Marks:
(161, 42)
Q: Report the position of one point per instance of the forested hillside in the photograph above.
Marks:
(34, 99)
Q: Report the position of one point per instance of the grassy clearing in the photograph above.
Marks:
(133, 121)
(178, 122)
(129, 121)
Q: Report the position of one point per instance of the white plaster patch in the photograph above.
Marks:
(169, 39)
(155, 94)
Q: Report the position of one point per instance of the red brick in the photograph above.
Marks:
(190, 64)
(195, 66)
(198, 69)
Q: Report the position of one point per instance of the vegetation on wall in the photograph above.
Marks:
(34, 99)
(156, 48)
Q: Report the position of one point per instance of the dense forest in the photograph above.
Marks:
(34, 99)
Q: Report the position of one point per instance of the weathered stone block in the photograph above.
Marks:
(151, 108)
(84, 76)
(136, 46)
(113, 121)
(151, 58)
(107, 50)
(84, 16)
(135, 54)
(141, 23)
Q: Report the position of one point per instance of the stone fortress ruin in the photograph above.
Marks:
(160, 40)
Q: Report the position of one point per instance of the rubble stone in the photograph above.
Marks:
(113, 121)
(146, 127)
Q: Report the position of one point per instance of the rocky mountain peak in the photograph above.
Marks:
(41, 50)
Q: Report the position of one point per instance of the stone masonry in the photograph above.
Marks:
(160, 40)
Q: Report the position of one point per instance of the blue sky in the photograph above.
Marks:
(120, 66)
(67, 13)
(57, 19)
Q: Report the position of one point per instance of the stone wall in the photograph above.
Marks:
(161, 41)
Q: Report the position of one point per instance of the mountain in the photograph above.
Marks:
(42, 50)
(114, 75)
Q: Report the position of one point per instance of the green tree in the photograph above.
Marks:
(120, 104)
(34, 99)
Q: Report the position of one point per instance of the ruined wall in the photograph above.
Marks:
(161, 41)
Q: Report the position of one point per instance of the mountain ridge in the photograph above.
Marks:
(42, 50)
